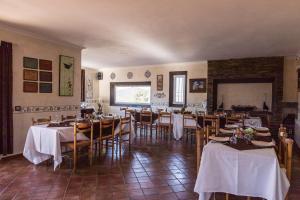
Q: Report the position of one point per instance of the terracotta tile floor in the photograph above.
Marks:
(155, 169)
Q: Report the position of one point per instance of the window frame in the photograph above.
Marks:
(171, 88)
(112, 93)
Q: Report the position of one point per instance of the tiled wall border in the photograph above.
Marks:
(39, 109)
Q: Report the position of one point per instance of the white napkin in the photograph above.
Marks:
(263, 144)
(226, 131)
(219, 139)
(231, 126)
(263, 134)
(261, 128)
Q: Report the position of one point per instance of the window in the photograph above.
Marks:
(130, 93)
(177, 90)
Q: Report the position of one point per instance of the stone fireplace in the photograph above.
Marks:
(247, 70)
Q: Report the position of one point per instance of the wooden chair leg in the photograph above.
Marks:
(227, 196)
(120, 146)
(113, 149)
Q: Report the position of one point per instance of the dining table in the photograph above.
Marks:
(44, 141)
(176, 121)
(241, 169)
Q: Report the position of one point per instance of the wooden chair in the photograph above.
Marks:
(146, 121)
(125, 129)
(189, 129)
(165, 123)
(212, 121)
(200, 140)
(78, 145)
(107, 133)
(209, 131)
(68, 118)
(233, 120)
(285, 153)
(41, 121)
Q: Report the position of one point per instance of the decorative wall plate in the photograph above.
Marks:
(112, 75)
(129, 75)
(147, 74)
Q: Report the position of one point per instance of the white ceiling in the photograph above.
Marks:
(144, 32)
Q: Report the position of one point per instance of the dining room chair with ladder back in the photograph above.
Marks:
(107, 134)
(146, 122)
(190, 125)
(213, 121)
(41, 121)
(79, 147)
(164, 124)
(200, 142)
(124, 131)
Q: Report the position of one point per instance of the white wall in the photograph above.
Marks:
(253, 94)
(36, 48)
(194, 70)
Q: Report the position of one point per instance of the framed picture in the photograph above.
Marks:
(30, 75)
(198, 85)
(160, 82)
(66, 75)
(30, 87)
(45, 87)
(31, 63)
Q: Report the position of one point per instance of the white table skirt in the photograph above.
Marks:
(254, 173)
(177, 121)
(42, 142)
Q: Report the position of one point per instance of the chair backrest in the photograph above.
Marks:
(212, 121)
(209, 131)
(68, 117)
(233, 119)
(125, 122)
(199, 145)
(165, 118)
(146, 117)
(285, 154)
(41, 121)
(107, 127)
(186, 118)
(129, 112)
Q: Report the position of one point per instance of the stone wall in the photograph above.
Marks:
(247, 70)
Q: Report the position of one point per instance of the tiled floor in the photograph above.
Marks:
(155, 169)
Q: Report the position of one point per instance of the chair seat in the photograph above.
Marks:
(165, 124)
(80, 144)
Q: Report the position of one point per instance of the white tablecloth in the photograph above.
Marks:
(178, 125)
(42, 142)
(254, 173)
(253, 122)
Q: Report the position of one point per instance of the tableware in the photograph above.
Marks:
(263, 144)
(263, 134)
(231, 126)
(226, 131)
(261, 129)
(219, 139)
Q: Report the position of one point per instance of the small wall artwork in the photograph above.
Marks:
(198, 85)
(30, 75)
(31, 63)
(160, 82)
(89, 88)
(30, 87)
(37, 75)
(45, 88)
(45, 76)
(66, 75)
(45, 65)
